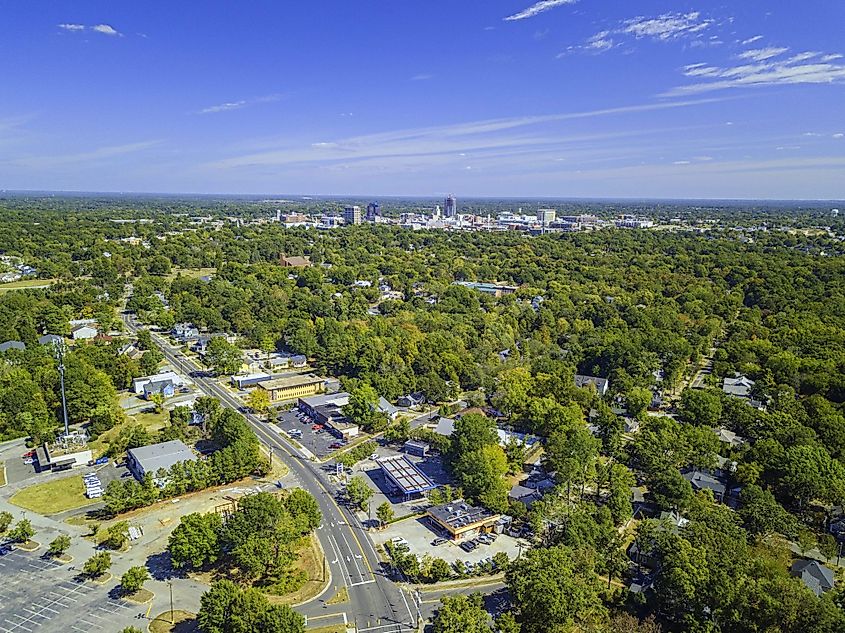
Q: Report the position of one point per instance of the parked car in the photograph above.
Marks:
(100, 461)
(374, 456)
(438, 541)
(5, 549)
(399, 540)
(468, 546)
(29, 460)
(336, 445)
(317, 427)
(28, 454)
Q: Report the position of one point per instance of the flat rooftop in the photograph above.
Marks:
(338, 399)
(290, 381)
(402, 472)
(459, 514)
(163, 455)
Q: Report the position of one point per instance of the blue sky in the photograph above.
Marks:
(585, 98)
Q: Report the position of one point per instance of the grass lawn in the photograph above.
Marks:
(183, 622)
(334, 628)
(54, 496)
(194, 273)
(340, 597)
(2, 474)
(311, 562)
(26, 283)
(151, 421)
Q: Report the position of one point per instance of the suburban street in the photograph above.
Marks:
(375, 603)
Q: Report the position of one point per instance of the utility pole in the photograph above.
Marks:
(170, 583)
(60, 356)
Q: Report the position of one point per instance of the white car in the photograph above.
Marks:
(374, 456)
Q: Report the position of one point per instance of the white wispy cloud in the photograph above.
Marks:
(766, 70)
(100, 153)
(537, 8)
(104, 29)
(668, 27)
(241, 103)
(762, 54)
(511, 134)
(839, 135)
(751, 40)
(422, 77)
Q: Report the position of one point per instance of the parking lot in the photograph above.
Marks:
(40, 594)
(16, 470)
(420, 535)
(318, 443)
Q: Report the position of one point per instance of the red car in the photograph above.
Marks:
(28, 454)
(335, 445)
(317, 427)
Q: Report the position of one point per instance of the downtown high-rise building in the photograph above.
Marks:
(546, 216)
(450, 206)
(373, 211)
(352, 215)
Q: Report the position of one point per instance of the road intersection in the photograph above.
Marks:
(375, 603)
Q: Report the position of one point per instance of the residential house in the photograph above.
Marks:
(525, 495)
(818, 578)
(410, 400)
(388, 409)
(298, 361)
(5, 347)
(296, 262)
(739, 386)
(730, 438)
(674, 518)
(601, 384)
(701, 480)
(83, 332)
(165, 388)
(139, 383)
(185, 332)
(50, 339)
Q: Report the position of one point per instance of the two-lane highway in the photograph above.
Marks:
(375, 603)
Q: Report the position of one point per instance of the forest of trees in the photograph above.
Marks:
(640, 308)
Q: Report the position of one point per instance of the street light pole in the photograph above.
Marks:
(170, 583)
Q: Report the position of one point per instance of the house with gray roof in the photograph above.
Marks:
(701, 480)
(149, 459)
(49, 339)
(388, 409)
(814, 575)
(5, 347)
(601, 384)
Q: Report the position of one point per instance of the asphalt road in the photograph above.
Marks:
(375, 603)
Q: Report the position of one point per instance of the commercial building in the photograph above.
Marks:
(546, 216)
(352, 215)
(291, 387)
(450, 206)
(408, 479)
(83, 332)
(462, 521)
(150, 459)
(487, 288)
(418, 449)
(327, 409)
(61, 460)
(373, 211)
(250, 380)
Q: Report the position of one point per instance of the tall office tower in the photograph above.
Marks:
(450, 207)
(352, 215)
(546, 216)
(437, 211)
(373, 211)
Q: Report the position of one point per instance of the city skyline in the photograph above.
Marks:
(554, 99)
